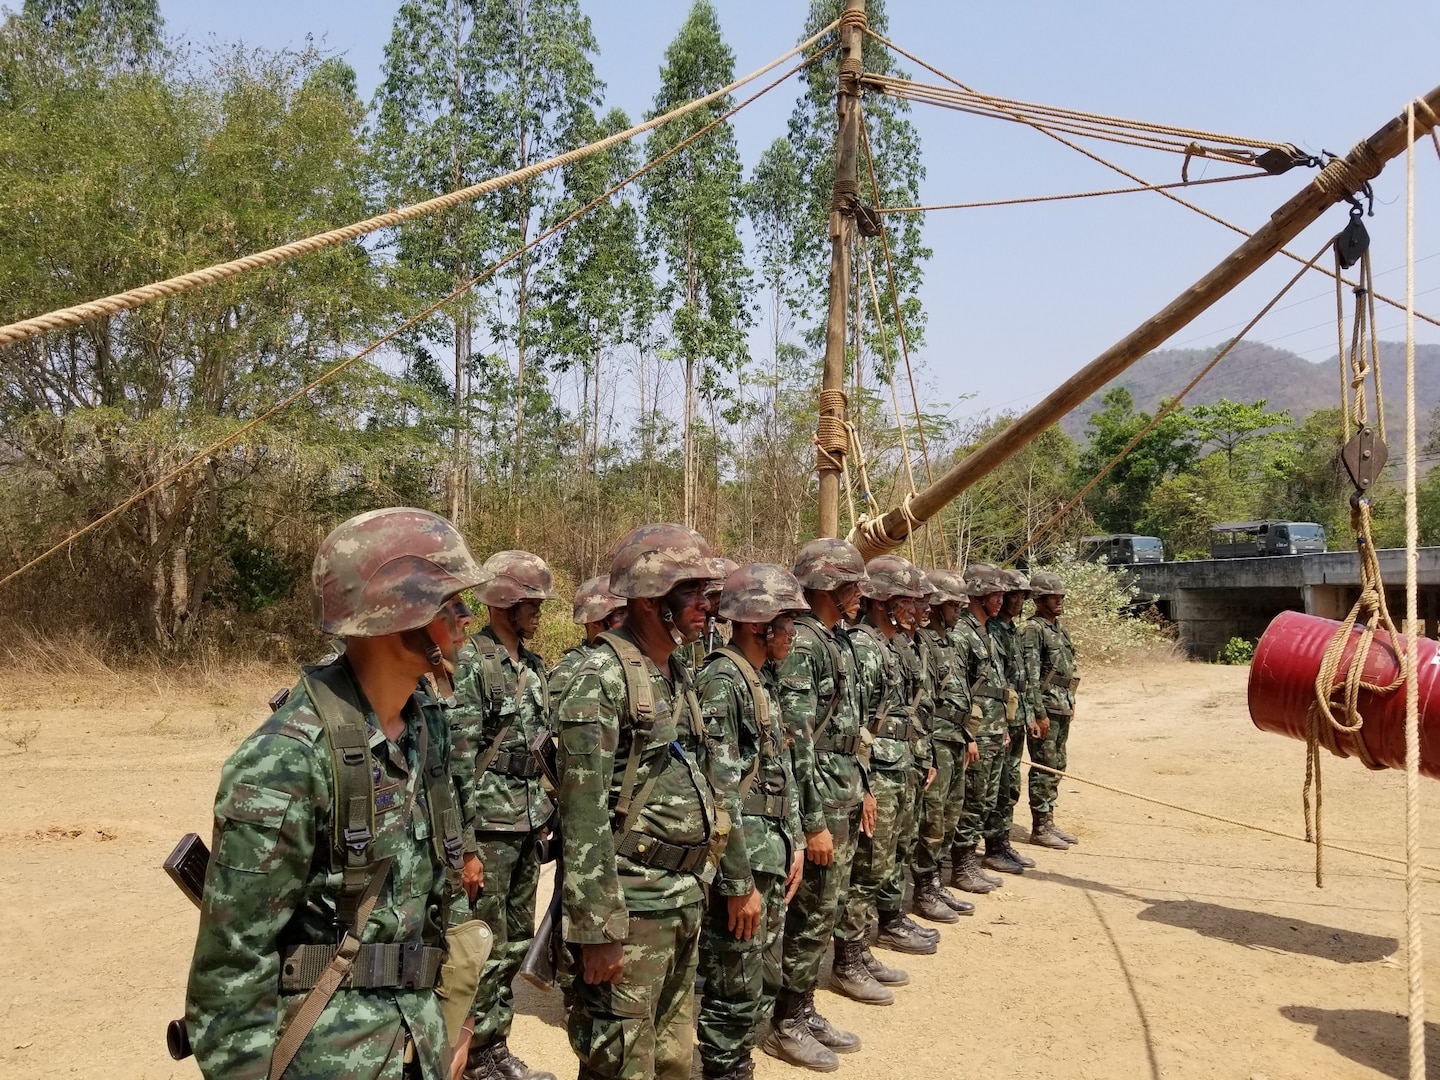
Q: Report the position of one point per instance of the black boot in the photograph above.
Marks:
(1062, 834)
(744, 1069)
(967, 876)
(850, 976)
(929, 904)
(1024, 860)
(1044, 835)
(480, 1064)
(885, 976)
(997, 859)
(929, 933)
(511, 1067)
(791, 1039)
(894, 934)
(826, 1033)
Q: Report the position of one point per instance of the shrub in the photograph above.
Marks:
(1101, 614)
(1237, 651)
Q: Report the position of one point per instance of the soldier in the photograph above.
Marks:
(979, 668)
(597, 609)
(954, 748)
(1054, 675)
(1000, 854)
(750, 768)
(502, 709)
(885, 703)
(335, 823)
(817, 699)
(637, 816)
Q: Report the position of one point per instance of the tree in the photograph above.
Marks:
(1118, 500)
(1234, 426)
(692, 207)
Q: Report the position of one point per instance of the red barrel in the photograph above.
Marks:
(1282, 687)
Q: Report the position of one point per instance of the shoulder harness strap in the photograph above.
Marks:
(837, 671)
(640, 701)
(761, 703)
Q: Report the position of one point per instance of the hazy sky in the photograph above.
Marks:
(1019, 297)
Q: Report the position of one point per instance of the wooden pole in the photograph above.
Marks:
(844, 197)
(1338, 179)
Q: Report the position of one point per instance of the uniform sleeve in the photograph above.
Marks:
(467, 731)
(800, 706)
(794, 826)
(720, 708)
(1030, 657)
(589, 723)
(272, 793)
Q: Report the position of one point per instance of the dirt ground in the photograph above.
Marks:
(1163, 946)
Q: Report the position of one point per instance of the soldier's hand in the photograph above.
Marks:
(929, 777)
(472, 876)
(868, 813)
(1033, 728)
(1045, 728)
(796, 875)
(743, 914)
(1006, 743)
(603, 963)
(972, 753)
(820, 847)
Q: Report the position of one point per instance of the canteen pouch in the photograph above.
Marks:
(1012, 705)
(719, 840)
(468, 947)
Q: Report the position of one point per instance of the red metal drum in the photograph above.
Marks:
(1282, 687)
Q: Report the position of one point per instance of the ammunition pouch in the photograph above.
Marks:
(891, 728)
(762, 805)
(645, 850)
(522, 765)
(468, 947)
(838, 744)
(1059, 682)
(405, 965)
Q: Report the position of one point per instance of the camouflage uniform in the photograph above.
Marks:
(914, 663)
(978, 664)
(750, 769)
(1053, 673)
(278, 876)
(641, 1026)
(1008, 644)
(941, 804)
(507, 809)
(565, 670)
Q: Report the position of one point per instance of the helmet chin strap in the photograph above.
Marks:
(667, 616)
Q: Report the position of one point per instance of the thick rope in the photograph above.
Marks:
(1029, 199)
(1414, 932)
(414, 320)
(1222, 819)
(1098, 159)
(1169, 407)
(894, 394)
(210, 275)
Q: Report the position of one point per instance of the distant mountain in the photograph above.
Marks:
(1287, 381)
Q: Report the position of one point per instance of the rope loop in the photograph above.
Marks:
(1342, 178)
(855, 18)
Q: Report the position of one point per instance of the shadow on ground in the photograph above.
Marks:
(1252, 929)
(1377, 1040)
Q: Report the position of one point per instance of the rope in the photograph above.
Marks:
(1340, 178)
(1028, 199)
(1169, 407)
(832, 435)
(133, 298)
(904, 341)
(1140, 180)
(1414, 934)
(855, 18)
(329, 374)
(894, 394)
(1223, 820)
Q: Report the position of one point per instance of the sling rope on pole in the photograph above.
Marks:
(331, 372)
(132, 298)
(1340, 169)
(1030, 199)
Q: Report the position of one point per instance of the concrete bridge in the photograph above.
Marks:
(1214, 600)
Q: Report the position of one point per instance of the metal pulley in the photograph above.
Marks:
(1363, 457)
(1354, 239)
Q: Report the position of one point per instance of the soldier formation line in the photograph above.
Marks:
(740, 768)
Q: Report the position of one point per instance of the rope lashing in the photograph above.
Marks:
(210, 275)
(1341, 179)
(832, 433)
(870, 537)
(855, 18)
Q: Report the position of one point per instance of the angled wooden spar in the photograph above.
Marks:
(1342, 177)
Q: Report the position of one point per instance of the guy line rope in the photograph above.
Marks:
(325, 376)
(132, 298)
(1024, 200)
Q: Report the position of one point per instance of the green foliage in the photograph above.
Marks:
(1100, 614)
(1238, 651)
(1117, 501)
(1235, 427)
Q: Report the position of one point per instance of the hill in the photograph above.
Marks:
(1255, 370)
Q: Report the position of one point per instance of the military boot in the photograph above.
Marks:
(792, 1040)
(1024, 860)
(997, 859)
(511, 1067)
(885, 976)
(967, 877)
(744, 1069)
(928, 903)
(894, 934)
(1061, 833)
(1043, 833)
(826, 1033)
(480, 1064)
(850, 976)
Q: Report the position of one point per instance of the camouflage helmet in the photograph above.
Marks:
(891, 576)
(723, 568)
(652, 559)
(760, 592)
(828, 563)
(949, 586)
(1015, 581)
(594, 602)
(1046, 583)
(386, 571)
(519, 576)
(982, 579)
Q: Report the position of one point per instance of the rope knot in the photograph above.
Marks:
(855, 18)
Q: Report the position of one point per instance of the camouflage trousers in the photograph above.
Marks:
(982, 787)
(874, 855)
(1003, 816)
(940, 806)
(810, 918)
(512, 872)
(1045, 788)
(644, 1025)
(907, 835)
(742, 978)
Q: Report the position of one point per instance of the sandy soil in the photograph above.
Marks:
(1163, 946)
